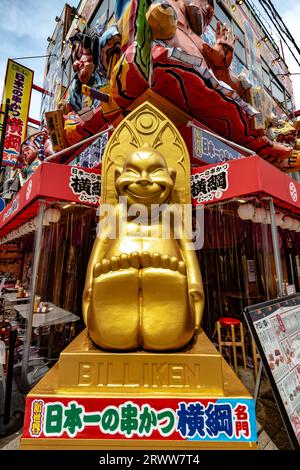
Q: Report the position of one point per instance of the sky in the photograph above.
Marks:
(24, 28)
(290, 13)
(26, 24)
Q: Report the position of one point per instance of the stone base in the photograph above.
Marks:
(139, 400)
(84, 367)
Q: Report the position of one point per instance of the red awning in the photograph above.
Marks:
(51, 182)
(244, 177)
(210, 184)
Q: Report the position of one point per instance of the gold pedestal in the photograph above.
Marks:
(158, 389)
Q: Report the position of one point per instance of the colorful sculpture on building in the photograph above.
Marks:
(160, 294)
(81, 104)
(33, 151)
(158, 46)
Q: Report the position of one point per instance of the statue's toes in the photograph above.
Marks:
(174, 263)
(146, 259)
(124, 261)
(106, 266)
(114, 263)
(156, 257)
(97, 270)
(165, 261)
(135, 260)
(181, 267)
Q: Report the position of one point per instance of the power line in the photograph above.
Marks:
(277, 21)
(34, 57)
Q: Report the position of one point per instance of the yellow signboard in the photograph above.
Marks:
(17, 88)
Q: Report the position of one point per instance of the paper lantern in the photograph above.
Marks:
(287, 223)
(260, 216)
(279, 219)
(246, 211)
(294, 225)
(51, 216)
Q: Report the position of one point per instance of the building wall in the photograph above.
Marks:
(260, 61)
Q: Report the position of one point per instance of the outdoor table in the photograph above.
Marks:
(13, 299)
(54, 317)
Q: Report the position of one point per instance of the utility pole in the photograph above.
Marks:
(4, 126)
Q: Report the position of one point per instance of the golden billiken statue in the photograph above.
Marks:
(143, 291)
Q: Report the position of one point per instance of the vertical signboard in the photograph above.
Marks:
(275, 326)
(17, 88)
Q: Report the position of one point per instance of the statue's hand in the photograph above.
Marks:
(196, 301)
(220, 55)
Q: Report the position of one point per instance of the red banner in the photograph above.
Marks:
(250, 175)
(51, 181)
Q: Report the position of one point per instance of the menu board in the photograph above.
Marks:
(275, 326)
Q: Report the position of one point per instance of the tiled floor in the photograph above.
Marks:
(270, 428)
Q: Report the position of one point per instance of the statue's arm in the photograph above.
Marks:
(97, 254)
(194, 278)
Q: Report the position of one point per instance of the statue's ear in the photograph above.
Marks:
(173, 174)
(118, 172)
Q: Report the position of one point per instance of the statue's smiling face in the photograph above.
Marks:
(145, 178)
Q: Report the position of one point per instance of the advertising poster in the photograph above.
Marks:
(275, 326)
(208, 148)
(17, 88)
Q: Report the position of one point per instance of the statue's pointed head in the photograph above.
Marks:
(145, 178)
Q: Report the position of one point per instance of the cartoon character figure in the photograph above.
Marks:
(143, 285)
(33, 151)
(150, 275)
(161, 49)
(81, 105)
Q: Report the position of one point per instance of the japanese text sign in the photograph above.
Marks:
(154, 419)
(275, 326)
(17, 88)
(210, 149)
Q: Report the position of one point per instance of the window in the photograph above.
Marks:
(276, 89)
(240, 51)
(224, 17)
(266, 75)
(102, 15)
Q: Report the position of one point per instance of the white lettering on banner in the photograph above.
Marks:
(14, 207)
(29, 189)
(293, 192)
(85, 185)
(210, 184)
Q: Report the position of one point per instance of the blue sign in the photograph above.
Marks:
(92, 155)
(2, 204)
(210, 149)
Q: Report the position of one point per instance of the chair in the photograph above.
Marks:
(227, 326)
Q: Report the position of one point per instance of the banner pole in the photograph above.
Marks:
(4, 126)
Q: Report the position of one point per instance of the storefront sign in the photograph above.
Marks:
(275, 326)
(148, 419)
(210, 149)
(85, 185)
(2, 204)
(55, 126)
(12, 209)
(210, 184)
(92, 155)
(17, 88)
(238, 178)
